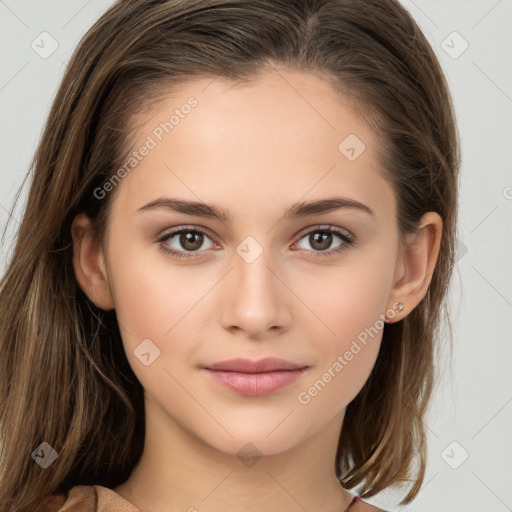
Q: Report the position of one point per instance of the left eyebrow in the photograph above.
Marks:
(297, 210)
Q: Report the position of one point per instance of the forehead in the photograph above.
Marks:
(282, 137)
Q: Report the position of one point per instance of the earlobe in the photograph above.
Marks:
(89, 264)
(418, 259)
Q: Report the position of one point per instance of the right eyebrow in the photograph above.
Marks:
(297, 210)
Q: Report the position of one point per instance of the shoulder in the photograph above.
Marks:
(88, 498)
(81, 498)
(358, 505)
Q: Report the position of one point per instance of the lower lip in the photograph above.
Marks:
(255, 384)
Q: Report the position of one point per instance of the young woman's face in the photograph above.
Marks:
(261, 282)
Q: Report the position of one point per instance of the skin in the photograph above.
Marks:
(254, 149)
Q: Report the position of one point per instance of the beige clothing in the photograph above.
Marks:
(96, 498)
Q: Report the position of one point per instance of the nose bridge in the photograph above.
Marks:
(252, 268)
(256, 296)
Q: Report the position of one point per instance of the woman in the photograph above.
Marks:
(230, 273)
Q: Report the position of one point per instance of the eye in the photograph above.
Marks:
(190, 239)
(321, 239)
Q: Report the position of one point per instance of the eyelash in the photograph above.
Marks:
(349, 241)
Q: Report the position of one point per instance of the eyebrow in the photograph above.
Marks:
(297, 210)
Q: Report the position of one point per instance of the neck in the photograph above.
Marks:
(194, 476)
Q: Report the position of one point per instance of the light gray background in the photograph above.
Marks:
(472, 406)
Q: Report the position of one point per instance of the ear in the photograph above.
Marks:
(416, 263)
(89, 264)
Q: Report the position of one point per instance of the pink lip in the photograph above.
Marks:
(255, 378)
(268, 364)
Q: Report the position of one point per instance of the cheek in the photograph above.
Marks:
(153, 299)
(351, 309)
(157, 302)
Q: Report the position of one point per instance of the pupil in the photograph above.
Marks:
(323, 238)
(187, 241)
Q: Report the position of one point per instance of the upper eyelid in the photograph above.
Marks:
(300, 234)
(176, 230)
(327, 227)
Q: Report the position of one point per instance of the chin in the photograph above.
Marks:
(254, 444)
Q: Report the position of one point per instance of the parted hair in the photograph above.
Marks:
(64, 377)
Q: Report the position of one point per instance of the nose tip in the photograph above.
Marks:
(256, 303)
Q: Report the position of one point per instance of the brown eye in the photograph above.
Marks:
(184, 240)
(191, 241)
(321, 239)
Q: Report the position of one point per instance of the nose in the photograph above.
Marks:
(257, 301)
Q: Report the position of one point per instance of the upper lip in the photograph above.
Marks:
(268, 364)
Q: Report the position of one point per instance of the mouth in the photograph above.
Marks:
(255, 378)
(267, 364)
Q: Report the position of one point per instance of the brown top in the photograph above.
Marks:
(96, 498)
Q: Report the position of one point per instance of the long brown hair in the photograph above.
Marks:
(64, 376)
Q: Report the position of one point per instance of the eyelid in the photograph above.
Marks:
(320, 227)
(195, 227)
(347, 237)
(186, 227)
